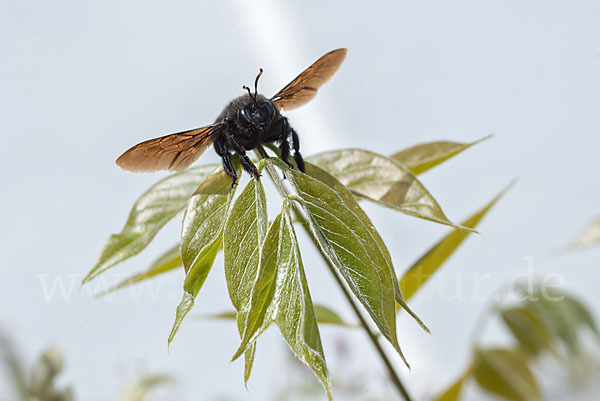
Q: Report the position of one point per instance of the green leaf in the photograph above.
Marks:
(350, 202)
(529, 329)
(382, 180)
(562, 313)
(249, 362)
(350, 242)
(201, 236)
(150, 213)
(430, 262)
(505, 373)
(243, 237)
(185, 305)
(168, 261)
(280, 294)
(326, 315)
(421, 158)
(590, 236)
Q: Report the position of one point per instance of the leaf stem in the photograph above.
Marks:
(262, 154)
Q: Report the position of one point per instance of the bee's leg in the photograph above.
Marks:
(284, 146)
(246, 162)
(297, 155)
(221, 149)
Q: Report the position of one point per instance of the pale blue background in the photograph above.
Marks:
(81, 81)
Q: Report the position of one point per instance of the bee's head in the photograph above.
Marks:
(259, 113)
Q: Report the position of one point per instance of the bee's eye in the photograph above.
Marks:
(243, 115)
(270, 110)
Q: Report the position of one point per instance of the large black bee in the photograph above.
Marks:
(246, 122)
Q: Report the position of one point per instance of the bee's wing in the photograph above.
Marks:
(172, 152)
(304, 87)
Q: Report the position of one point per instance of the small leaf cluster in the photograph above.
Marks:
(40, 383)
(545, 322)
(262, 260)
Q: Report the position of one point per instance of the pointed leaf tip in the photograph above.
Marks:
(185, 305)
(423, 157)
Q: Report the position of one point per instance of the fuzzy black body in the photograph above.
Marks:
(248, 121)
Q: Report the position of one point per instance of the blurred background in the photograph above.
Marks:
(82, 81)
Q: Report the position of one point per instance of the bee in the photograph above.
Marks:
(246, 122)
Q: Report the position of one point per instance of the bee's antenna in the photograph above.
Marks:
(250, 93)
(255, 87)
(256, 83)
